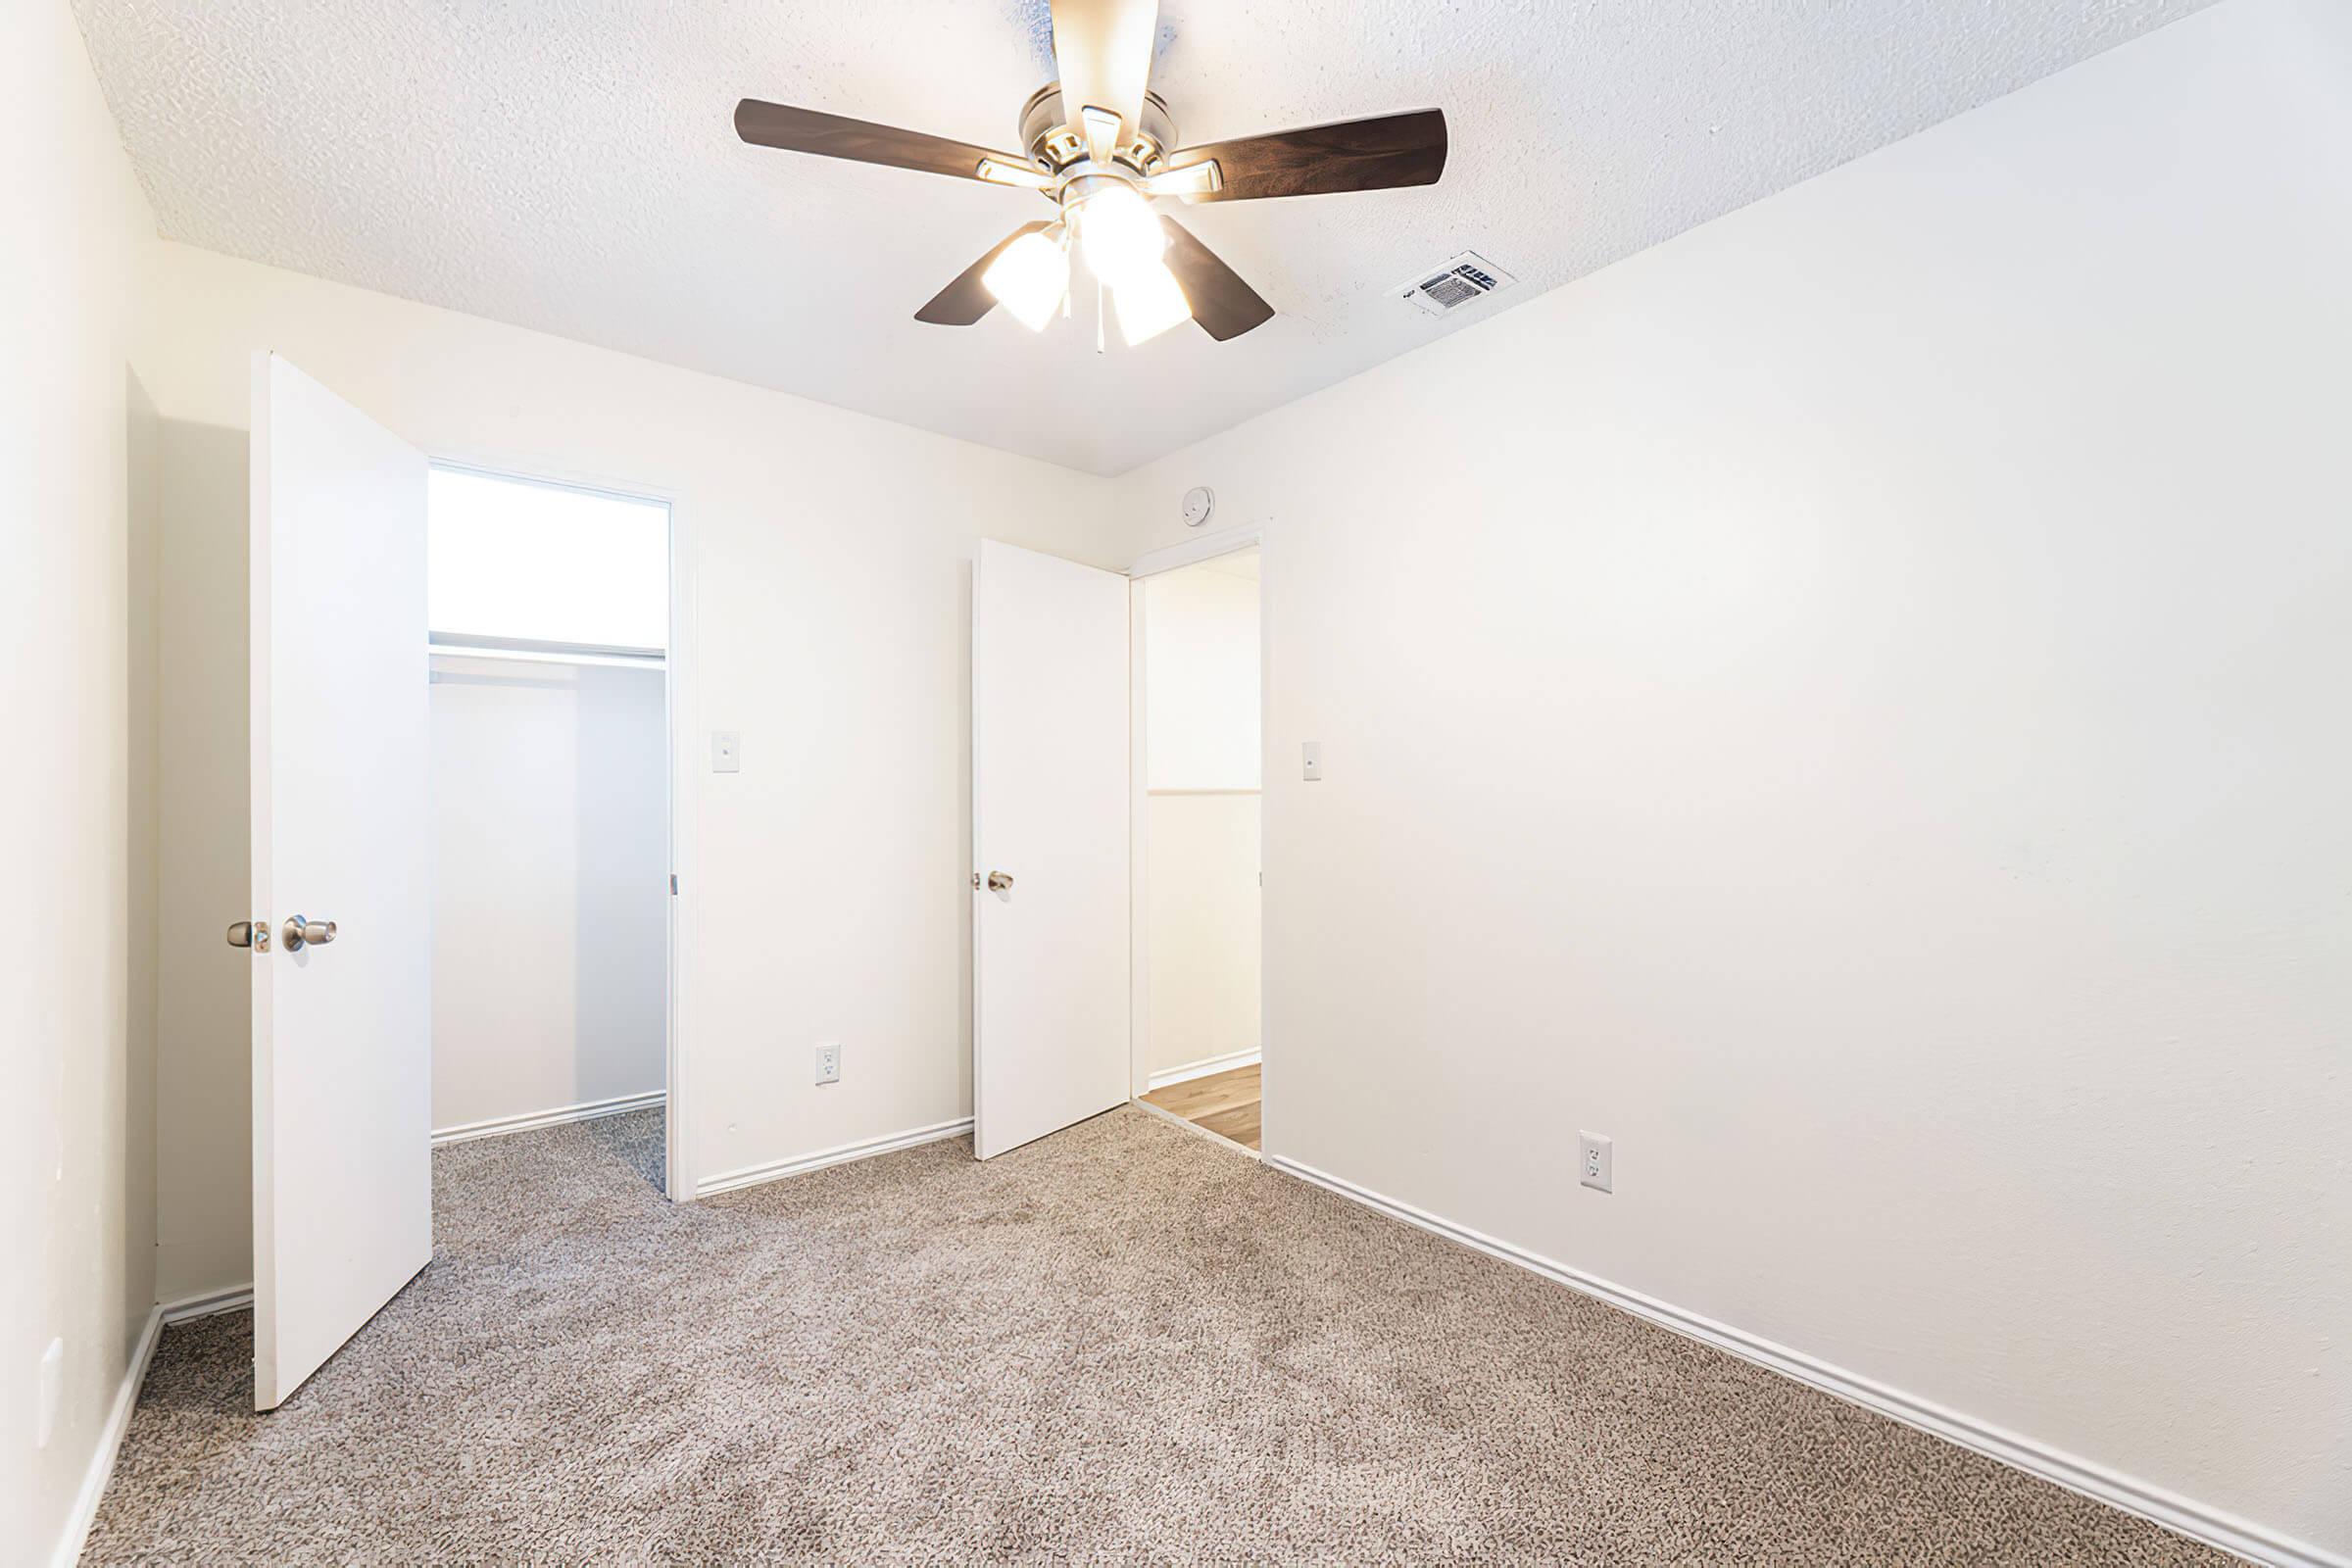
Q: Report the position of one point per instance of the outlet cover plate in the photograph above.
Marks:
(51, 1385)
(1595, 1162)
(828, 1062)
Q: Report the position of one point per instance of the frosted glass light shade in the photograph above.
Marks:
(1121, 234)
(1030, 279)
(1149, 301)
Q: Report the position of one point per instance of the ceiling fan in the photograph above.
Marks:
(1102, 146)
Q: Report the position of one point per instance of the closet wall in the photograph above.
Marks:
(1200, 635)
(550, 887)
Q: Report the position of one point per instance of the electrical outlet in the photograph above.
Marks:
(1595, 1162)
(52, 1383)
(828, 1062)
(726, 752)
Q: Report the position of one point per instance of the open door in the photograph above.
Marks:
(1049, 911)
(342, 985)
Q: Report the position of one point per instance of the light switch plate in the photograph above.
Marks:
(1311, 760)
(1596, 1161)
(726, 752)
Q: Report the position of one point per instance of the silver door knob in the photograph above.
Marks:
(301, 933)
(1000, 882)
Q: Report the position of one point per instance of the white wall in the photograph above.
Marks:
(77, 798)
(1201, 725)
(830, 627)
(204, 1063)
(551, 886)
(1202, 899)
(1862, 725)
(1201, 717)
(141, 908)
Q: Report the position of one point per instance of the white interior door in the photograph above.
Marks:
(342, 1065)
(1049, 751)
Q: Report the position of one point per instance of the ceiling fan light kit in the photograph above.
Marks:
(1149, 301)
(1097, 144)
(1117, 226)
(1032, 275)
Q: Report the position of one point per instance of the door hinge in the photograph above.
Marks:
(674, 884)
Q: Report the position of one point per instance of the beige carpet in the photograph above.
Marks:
(1124, 1343)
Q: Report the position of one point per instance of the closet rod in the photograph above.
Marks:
(547, 655)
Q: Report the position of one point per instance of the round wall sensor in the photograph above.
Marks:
(1199, 501)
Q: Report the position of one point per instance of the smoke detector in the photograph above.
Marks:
(1452, 285)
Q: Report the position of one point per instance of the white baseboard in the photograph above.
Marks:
(110, 1443)
(234, 1298)
(2170, 1509)
(586, 1111)
(777, 1170)
(1201, 1070)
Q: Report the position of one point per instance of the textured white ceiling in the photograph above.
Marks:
(571, 165)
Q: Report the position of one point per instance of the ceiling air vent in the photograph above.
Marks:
(1465, 281)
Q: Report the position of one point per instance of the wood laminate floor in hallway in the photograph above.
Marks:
(1224, 1103)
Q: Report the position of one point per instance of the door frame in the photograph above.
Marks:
(681, 719)
(1152, 564)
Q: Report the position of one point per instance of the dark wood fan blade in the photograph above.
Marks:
(806, 130)
(963, 302)
(1223, 305)
(1377, 154)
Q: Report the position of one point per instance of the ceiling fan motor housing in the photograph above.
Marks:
(1046, 136)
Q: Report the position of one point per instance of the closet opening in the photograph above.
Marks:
(553, 886)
